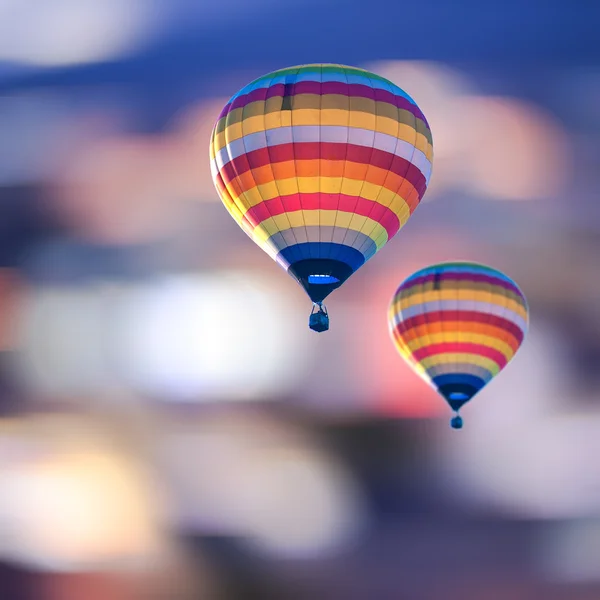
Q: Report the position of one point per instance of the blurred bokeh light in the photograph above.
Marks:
(170, 427)
(66, 32)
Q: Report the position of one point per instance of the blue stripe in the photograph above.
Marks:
(352, 78)
(459, 379)
(312, 250)
(380, 85)
(322, 279)
(460, 268)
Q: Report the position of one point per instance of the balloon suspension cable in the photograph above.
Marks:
(319, 321)
(456, 422)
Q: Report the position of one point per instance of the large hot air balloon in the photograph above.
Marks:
(458, 325)
(321, 165)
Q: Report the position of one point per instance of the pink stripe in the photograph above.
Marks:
(319, 201)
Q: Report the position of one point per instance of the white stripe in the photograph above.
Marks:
(453, 305)
(325, 133)
(460, 367)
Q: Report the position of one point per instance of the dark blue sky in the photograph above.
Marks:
(513, 33)
(511, 46)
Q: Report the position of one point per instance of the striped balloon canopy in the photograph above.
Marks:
(458, 325)
(321, 165)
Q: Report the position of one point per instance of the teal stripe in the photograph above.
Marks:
(313, 73)
(325, 69)
(462, 267)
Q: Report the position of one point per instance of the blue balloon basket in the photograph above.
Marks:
(456, 422)
(319, 321)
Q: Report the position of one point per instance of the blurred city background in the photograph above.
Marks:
(170, 427)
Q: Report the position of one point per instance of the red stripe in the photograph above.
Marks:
(269, 208)
(228, 201)
(467, 316)
(353, 204)
(412, 335)
(449, 347)
(326, 151)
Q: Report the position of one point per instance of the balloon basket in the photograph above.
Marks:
(319, 321)
(456, 422)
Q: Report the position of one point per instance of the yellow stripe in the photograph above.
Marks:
(325, 117)
(421, 367)
(398, 206)
(444, 358)
(306, 170)
(440, 295)
(484, 340)
(324, 218)
(406, 354)
(455, 331)
(268, 247)
(458, 358)
(305, 101)
(240, 196)
(229, 200)
(326, 185)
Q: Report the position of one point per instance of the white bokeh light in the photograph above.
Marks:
(205, 337)
(521, 451)
(66, 32)
(65, 340)
(68, 505)
(221, 336)
(265, 481)
(499, 148)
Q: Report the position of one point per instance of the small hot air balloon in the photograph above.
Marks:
(321, 165)
(458, 325)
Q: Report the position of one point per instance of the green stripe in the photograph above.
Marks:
(325, 68)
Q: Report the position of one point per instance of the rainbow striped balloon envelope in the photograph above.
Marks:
(458, 325)
(321, 165)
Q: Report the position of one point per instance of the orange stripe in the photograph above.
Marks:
(455, 328)
(324, 168)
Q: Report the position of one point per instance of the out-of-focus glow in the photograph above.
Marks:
(261, 479)
(569, 552)
(65, 340)
(189, 338)
(437, 89)
(500, 148)
(31, 126)
(66, 32)
(189, 143)
(395, 390)
(11, 289)
(520, 451)
(120, 190)
(515, 150)
(299, 503)
(41, 128)
(216, 336)
(72, 507)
